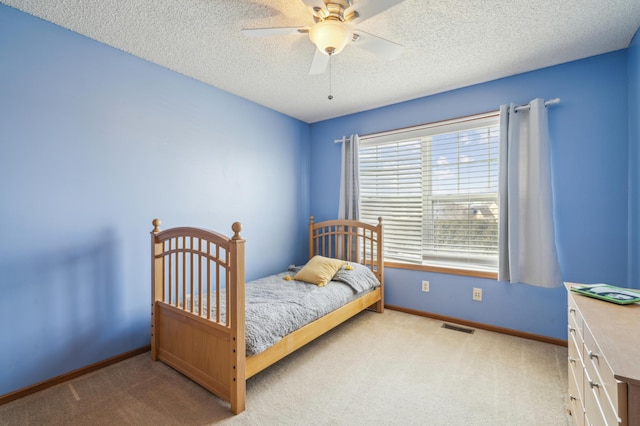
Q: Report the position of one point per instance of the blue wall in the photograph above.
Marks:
(94, 144)
(590, 147)
(634, 161)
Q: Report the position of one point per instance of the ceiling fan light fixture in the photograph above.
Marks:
(330, 36)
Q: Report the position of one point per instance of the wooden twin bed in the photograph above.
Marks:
(199, 307)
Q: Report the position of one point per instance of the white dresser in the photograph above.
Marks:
(604, 361)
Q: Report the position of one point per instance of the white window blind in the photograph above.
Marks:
(436, 187)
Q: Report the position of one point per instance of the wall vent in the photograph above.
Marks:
(458, 328)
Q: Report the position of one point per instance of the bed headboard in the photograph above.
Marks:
(349, 240)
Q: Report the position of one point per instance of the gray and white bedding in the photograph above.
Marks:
(275, 306)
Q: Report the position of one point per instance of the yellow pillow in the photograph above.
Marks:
(319, 270)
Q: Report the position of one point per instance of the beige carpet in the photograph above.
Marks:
(377, 369)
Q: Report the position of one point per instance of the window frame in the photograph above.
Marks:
(488, 120)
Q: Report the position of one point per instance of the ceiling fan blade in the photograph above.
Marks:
(266, 32)
(380, 47)
(317, 8)
(319, 64)
(369, 8)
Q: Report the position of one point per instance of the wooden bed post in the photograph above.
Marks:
(311, 219)
(157, 280)
(238, 345)
(380, 247)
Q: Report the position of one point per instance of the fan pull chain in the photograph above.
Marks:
(330, 73)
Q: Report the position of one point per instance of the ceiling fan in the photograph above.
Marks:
(333, 30)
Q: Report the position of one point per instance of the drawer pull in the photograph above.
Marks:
(592, 355)
(572, 311)
(573, 398)
(573, 360)
(592, 384)
(572, 330)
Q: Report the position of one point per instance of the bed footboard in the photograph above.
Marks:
(192, 270)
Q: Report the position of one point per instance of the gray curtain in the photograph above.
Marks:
(527, 248)
(349, 207)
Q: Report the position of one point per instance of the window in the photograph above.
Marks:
(436, 188)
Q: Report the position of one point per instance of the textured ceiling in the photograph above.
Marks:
(447, 44)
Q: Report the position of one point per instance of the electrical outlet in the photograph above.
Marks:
(425, 286)
(477, 294)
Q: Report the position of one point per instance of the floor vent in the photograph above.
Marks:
(458, 328)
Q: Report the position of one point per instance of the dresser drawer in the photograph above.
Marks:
(588, 422)
(593, 406)
(576, 370)
(603, 384)
(577, 413)
(575, 319)
(575, 337)
(577, 403)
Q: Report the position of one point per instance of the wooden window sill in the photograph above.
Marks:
(441, 270)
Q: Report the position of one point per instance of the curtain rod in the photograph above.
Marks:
(546, 103)
(518, 108)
